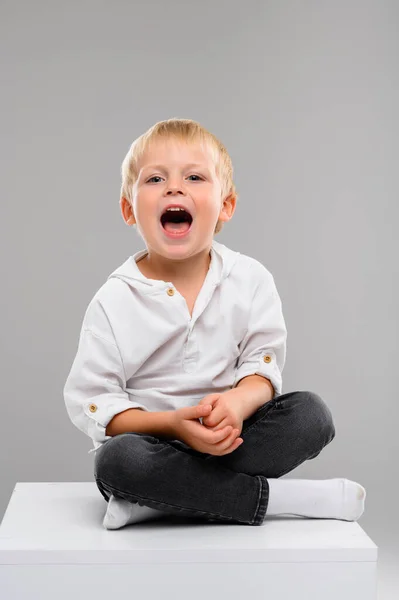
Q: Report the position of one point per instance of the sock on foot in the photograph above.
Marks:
(339, 498)
(120, 512)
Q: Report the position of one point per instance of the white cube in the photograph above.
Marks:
(53, 545)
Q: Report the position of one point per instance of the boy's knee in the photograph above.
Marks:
(321, 414)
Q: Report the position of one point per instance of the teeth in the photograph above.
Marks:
(175, 208)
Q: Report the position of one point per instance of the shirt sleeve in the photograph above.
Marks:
(263, 348)
(94, 391)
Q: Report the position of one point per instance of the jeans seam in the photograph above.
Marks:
(261, 510)
(259, 498)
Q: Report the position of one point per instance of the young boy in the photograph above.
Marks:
(178, 374)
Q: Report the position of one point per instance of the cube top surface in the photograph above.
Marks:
(61, 522)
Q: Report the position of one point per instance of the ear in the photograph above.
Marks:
(228, 207)
(127, 211)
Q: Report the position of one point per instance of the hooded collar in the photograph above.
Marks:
(222, 261)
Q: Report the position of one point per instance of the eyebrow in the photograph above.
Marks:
(162, 167)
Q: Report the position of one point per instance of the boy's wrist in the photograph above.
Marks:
(172, 424)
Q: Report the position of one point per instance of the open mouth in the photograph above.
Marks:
(176, 223)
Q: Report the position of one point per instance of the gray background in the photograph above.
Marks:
(305, 96)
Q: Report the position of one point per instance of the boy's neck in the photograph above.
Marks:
(185, 272)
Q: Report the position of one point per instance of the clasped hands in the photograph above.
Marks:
(226, 410)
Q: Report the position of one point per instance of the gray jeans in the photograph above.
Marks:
(173, 477)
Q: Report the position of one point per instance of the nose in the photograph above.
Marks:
(173, 189)
(174, 186)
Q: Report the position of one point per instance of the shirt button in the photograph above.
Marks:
(267, 358)
(92, 407)
(171, 292)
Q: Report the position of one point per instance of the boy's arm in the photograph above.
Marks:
(95, 390)
(255, 392)
(263, 348)
(137, 420)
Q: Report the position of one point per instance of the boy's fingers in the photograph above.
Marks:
(222, 433)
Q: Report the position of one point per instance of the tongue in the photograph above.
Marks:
(177, 227)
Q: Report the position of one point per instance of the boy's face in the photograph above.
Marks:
(165, 177)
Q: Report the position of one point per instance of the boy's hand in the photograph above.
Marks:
(226, 410)
(188, 429)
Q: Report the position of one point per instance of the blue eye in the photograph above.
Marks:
(158, 176)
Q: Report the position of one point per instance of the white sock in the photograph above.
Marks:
(120, 512)
(322, 499)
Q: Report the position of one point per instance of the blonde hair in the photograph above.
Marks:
(185, 130)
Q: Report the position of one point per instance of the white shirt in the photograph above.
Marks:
(140, 347)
